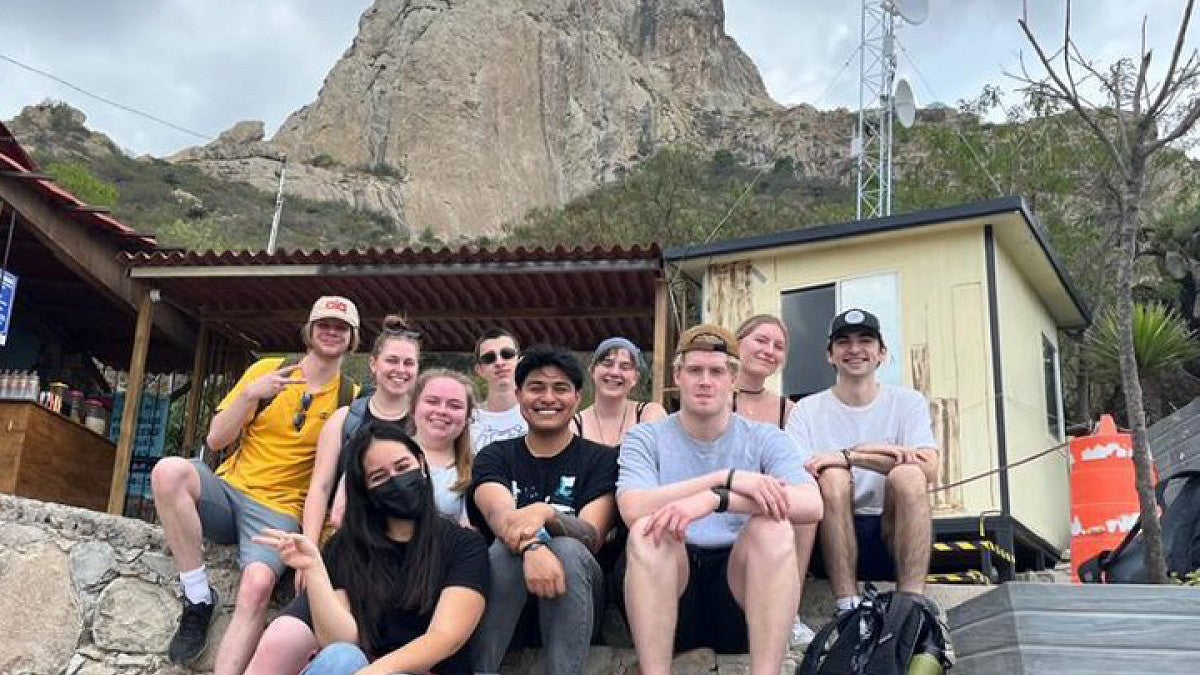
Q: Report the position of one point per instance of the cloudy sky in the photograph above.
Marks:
(205, 64)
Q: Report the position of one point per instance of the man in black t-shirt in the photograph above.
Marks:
(547, 499)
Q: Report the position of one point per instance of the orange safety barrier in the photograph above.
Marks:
(1104, 502)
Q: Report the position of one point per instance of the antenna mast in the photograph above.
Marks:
(278, 209)
(872, 145)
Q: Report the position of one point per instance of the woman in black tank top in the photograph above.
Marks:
(764, 340)
(615, 369)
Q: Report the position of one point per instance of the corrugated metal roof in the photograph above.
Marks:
(575, 297)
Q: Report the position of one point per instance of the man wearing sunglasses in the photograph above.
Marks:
(710, 498)
(499, 417)
(271, 420)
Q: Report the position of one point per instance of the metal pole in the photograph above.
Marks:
(278, 208)
(12, 227)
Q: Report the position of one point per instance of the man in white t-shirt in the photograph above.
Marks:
(499, 417)
(710, 499)
(871, 448)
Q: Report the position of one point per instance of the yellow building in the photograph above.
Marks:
(971, 299)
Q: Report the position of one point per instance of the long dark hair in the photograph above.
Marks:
(372, 583)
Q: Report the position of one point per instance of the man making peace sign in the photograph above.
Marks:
(277, 411)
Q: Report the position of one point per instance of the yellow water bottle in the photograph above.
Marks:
(924, 664)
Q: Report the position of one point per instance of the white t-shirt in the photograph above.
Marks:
(897, 416)
(487, 427)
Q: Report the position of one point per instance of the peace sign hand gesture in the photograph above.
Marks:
(296, 550)
(272, 383)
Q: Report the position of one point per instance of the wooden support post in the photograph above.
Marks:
(662, 318)
(196, 388)
(133, 404)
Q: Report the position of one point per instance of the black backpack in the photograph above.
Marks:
(879, 637)
(1181, 537)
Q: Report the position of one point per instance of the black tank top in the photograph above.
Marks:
(782, 408)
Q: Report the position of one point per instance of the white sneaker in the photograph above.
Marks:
(801, 633)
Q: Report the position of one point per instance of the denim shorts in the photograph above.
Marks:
(229, 516)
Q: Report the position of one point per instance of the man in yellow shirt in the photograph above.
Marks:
(277, 411)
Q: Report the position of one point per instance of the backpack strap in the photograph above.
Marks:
(637, 410)
(355, 415)
(345, 391)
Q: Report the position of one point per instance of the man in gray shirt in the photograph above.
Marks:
(710, 499)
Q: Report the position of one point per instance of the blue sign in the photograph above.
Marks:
(8, 293)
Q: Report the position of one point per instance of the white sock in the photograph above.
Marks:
(195, 585)
(848, 603)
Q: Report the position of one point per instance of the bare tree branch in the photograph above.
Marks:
(1167, 83)
(1063, 93)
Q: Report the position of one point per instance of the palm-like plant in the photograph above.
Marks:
(1162, 344)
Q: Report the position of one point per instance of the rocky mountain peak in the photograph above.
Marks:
(462, 115)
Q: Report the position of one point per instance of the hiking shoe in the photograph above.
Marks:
(801, 633)
(191, 639)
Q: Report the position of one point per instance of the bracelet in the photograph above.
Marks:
(722, 499)
(846, 454)
(532, 546)
(729, 480)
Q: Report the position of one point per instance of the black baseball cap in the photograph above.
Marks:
(854, 321)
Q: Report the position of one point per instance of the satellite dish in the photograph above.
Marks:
(905, 105)
(914, 12)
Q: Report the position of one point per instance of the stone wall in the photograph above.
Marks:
(86, 593)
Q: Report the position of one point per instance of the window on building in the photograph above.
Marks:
(1053, 381)
(807, 313)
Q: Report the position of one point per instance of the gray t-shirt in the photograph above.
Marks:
(661, 453)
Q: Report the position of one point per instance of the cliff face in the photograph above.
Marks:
(461, 115)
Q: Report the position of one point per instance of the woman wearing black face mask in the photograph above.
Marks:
(399, 588)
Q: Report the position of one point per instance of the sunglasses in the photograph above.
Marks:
(402, 333)
(302, 415)
(488, 358)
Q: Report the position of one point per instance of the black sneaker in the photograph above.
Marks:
(192, 637)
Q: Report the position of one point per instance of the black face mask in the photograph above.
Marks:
(401, 496)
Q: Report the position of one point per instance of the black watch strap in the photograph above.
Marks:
(723, 499)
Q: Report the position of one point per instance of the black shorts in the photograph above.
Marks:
(299, 608)
(875, 561)
(708, 614)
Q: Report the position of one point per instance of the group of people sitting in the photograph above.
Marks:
(429, 533)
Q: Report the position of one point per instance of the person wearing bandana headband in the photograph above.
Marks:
(399, 588)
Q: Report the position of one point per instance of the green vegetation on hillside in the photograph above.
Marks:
(683, 195)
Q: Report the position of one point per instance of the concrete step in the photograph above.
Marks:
(818, 604)
(618, 657)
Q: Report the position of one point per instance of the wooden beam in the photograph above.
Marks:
(133, 401)
(92, 259)
(199, 372)
(662, 318)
